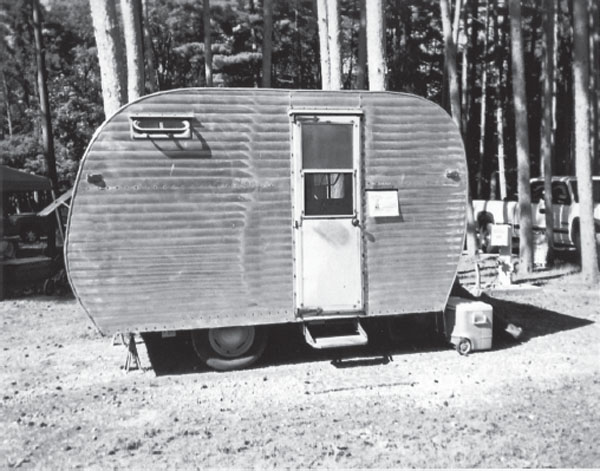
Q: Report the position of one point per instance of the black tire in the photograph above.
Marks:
(576, 237)
(464, 346)
(243, 348)
(30, 234)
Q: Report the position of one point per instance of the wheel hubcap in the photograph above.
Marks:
(231, 342)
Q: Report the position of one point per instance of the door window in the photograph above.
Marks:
(327, 167)
(327, 194)
(326, 146)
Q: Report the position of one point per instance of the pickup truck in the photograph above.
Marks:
(565, 209)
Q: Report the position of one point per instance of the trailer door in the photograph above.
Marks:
(327, 214)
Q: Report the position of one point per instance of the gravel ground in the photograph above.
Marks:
(67, 402)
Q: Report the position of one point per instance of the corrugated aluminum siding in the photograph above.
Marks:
(198, 233)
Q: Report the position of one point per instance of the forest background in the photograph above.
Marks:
(457, 53)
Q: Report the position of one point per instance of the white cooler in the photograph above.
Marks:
(468, 324)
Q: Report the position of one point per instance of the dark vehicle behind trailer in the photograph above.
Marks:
(23, 195)
(223, 211)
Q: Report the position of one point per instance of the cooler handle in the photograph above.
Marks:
(480, 319)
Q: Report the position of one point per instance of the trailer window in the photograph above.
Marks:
(326, 146)
(327, 194)
(164, 126)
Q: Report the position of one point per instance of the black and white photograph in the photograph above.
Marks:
(299, 234)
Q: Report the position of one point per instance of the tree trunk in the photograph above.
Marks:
(267, 49)
(483, 110)
(131, 10)
(464, 87)
(110, 55)
(522, 138)
(450, 61)
(500, 98)
(456, 21)
(149, 49)
(47, 136)
(469, 115)
(323, 25)
(7, 103)
(361, 66)
(546, 131)
(589, 256)
(595, 83)
(208, 69)
(335, 54)
(450, 64)
(376, 44)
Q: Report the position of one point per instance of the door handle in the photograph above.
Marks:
(297, 224)
(355, 222)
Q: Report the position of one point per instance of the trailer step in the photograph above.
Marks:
(335, 334)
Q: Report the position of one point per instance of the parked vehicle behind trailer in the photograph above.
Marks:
(217, 213)
(565, 211)
(23, 195)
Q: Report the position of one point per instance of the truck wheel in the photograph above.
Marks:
(229, 348)
(464, 346)
(577, 237)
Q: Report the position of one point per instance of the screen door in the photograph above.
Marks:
(327, 212)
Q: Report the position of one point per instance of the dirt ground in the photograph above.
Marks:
(66, 402)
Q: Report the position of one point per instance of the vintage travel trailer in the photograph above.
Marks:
(220, 212)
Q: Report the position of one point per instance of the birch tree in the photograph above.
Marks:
(375, 44)
(131, 10)
(110, 55)
(522, 138)
(323, 26)
(335, 48)
(586, 237)
(329, 44)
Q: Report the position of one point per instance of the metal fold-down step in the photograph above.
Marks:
(334, 334)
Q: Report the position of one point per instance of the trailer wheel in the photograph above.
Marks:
(229, 348)
(464, 346)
